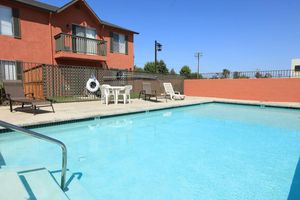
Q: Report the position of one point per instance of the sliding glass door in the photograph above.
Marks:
(91, 45)
(85, 41)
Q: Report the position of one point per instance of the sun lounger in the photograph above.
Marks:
(14, 92)
(147, 91)
(174, 95)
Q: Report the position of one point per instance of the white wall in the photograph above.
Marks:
(293, 64)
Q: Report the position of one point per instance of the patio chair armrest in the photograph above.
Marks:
(177, 92)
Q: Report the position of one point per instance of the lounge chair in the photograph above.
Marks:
(174, 95)
(147, 91)
(14, 92)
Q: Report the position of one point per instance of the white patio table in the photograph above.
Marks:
(116, 90)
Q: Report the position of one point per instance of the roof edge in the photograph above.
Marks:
(117, 27)
(102, 22)
(37, 4)
(66, 6)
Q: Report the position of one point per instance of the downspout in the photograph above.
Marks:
(51, 38)
(102, 37)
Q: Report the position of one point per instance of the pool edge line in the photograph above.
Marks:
(93, 117)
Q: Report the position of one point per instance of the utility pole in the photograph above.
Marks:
(157, 47)
(198, 55)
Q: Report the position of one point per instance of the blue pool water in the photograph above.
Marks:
(209, 151)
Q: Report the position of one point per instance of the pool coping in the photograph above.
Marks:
(126, 112)
(262, 103)
(98, 116)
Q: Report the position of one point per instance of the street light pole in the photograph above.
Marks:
(198, 55)
(157, 47)
(155, 55)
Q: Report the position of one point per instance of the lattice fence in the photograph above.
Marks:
(68, 83)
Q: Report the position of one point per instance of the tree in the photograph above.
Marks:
(149, 67)
(239, 75)
(225, 73)
(137, 69)
(193, 75)
(185, 71)
(268, 75)
(258, 75)
(172, 72)
(161, 67)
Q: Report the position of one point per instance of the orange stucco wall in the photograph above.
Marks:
(34, 45)
(272, 89)
(37, 43)
(118, 60)
(63, 21)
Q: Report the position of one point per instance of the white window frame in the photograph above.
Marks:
(6, 21)
(8, 70)
(119, 43)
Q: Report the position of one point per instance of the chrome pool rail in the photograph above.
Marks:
(45, 138)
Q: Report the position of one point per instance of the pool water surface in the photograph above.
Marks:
(209, 151)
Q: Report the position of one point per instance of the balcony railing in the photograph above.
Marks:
(77, 44)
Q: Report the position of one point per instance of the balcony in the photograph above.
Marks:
(76, 47)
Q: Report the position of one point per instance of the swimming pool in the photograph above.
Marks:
(209, 151)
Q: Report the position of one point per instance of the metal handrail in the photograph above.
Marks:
(45, 138)
(77, 36)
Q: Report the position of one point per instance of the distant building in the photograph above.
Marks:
(295, 67)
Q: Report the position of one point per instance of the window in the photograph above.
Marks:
(119, 43)
(6, 21)
(10, 70)
(297, 68)
(10, 22)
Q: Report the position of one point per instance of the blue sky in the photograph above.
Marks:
(233, 34)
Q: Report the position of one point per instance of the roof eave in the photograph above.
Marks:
(75, 1)
(39, 5)
(117, 27)
(54, 9)
(66, 6)
(124, 29)
(97, 17)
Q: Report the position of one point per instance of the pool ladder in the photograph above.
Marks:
(45, 138)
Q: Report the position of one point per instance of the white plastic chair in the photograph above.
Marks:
(174, 95)
(126, 93)
(106, 93)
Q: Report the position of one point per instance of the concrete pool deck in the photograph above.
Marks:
(90, 109)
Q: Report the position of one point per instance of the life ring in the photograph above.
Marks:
(92, 85)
